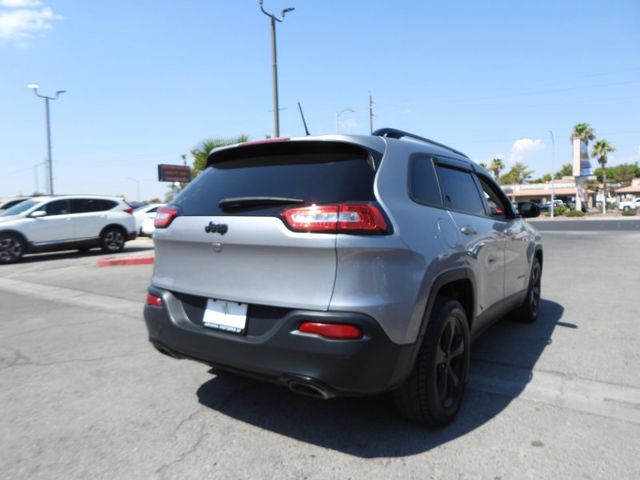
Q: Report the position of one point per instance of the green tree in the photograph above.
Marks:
(584, 132)
(624, 173)
(546, 178)
(599, 151)
(565, 171)
(483, 165)
(518, 174)
(496, 166)
(201, 152)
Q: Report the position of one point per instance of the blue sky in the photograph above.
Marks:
(148, 79)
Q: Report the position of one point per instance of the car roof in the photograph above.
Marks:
(377, 142)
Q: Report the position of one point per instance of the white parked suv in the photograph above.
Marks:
(65, 222)
(629, 204)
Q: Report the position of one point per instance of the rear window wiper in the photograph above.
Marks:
(243, 202)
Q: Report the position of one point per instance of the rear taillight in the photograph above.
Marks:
(334, 331)
(344, 217)
(154, 300)
(164, 216)
(129, 210)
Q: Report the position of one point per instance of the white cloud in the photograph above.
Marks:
(22, 23)
(20, 3)
(522, 147)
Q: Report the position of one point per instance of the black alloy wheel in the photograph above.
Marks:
(528, 311)
(433, 392)
(450, 367)
(112, 240)
(11, 248)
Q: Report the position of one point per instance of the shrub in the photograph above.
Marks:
(560, 210)
(629, 213)
(575, 213)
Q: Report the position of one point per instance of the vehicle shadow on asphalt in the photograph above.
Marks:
(70, 254)
(371, 427)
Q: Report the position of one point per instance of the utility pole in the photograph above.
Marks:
(274, 65)
(370, 114)
(34, 87)
(553, 161)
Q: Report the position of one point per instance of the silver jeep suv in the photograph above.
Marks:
(342, 265)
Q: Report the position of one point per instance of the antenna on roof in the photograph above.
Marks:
(306, 130)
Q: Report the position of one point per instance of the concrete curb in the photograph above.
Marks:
(114, 261)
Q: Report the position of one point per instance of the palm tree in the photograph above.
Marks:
(600, 150)
(584, 132)
(201, 152)
(496, 165)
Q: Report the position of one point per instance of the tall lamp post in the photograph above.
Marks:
(34, 87)
(338, 113)
(274, 62)
(553, 160)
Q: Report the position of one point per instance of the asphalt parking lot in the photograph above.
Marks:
(85, 396)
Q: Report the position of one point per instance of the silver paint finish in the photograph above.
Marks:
(388, 277)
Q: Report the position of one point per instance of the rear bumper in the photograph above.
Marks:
(132, 235)
(370, 365)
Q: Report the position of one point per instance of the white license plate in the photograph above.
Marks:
(228, 316)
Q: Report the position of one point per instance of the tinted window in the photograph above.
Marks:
(314, 178)
(21, 207)
(106, 205)
(85, 205)
(12, 203)
(459, 191)
(423, 185)
(58, 207)
(498, 204)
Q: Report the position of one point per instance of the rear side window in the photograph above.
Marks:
(459, 191)
(57, 207)
(314, 176)
(86, 205)
(423, 185)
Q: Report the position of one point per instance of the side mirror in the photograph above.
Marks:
(528, 209)
(38, 214)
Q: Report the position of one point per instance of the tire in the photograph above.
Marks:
(11, 248)
(528, 311)
(112, 240)
(433, 392)
(626, 208)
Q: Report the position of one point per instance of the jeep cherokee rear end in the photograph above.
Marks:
(263, 230)
(342, 265)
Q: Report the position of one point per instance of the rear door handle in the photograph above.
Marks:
(468, 230)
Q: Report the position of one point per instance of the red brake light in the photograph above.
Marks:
(154, 300)
(336, 331)
(129, 210)
(268, 140)
(344, 217)
(164, 216)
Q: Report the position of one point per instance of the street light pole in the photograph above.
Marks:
(34, 87)
(338, 113)
(274, 65)
(553, 160)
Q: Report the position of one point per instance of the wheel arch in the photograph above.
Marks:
(18, 234)
(460, 284)
(115, 225)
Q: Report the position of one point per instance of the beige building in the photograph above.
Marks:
(631, 191)
(564, 189)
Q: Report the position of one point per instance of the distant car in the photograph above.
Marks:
(629, 204)
(65, 222)
(10, 202)
(144, 213)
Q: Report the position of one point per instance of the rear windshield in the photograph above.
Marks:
(328, 177)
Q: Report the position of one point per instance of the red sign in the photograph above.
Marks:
(174, 173)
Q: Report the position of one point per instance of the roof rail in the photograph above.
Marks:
(395, 133)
